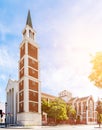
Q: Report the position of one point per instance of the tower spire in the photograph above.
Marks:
(29, 21)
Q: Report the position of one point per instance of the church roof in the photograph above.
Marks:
(72, 100)
(47, 95)
(83, 98)
(29, 21)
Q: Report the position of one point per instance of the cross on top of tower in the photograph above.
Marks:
(29, 21)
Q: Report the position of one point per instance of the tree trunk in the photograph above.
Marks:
(99, 125)
(55, 120)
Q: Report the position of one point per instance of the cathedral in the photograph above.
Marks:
(23, 96)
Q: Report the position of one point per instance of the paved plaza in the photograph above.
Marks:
(61, 127)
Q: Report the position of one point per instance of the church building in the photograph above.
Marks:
(23, 97)
(28, 97)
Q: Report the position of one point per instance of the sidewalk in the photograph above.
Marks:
(58, 127)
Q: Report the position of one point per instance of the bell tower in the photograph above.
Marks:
(29, 95)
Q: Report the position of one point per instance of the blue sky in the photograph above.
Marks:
(68, 32)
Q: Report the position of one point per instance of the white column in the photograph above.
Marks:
(11, 105)
(77, 108)
(18, 102)
(7, 106)
(15, 106)
(39, 96)
(26, 105)
(26, 60)
(27, 30)
(26, 91)
(39, 84)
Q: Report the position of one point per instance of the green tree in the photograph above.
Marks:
(96, 73)
(71, 112)
(99, 110)
(45, 106)
(58, 110)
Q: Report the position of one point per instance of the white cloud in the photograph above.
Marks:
(3, 77)
(67, 36)
(69, 65)
(3, 31)
(7, 60)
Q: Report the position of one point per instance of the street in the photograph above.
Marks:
(59, 127)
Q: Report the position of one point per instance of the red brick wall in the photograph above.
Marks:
(33, 107)
(33, 73)
(21, 107)
(21, 64)
(21, 73)
(33, 85)
(84, 106)
(33, 63)
(21, 85)
(22, 51)
(33, 96)
(21, 96)
(32, 51)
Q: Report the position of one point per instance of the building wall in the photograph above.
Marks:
(29, 75)
(11, 106)
(85, 108)
(29, 94)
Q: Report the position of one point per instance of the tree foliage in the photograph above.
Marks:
(71, 112)
(45, 106)
(55, 109)
(99, 110)
(99, 107)
(58, 110)
(96, 73)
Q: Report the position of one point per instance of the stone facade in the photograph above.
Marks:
(11, 99)
(85, 108)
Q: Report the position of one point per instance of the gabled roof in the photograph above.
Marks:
(11, 84)
(72, 99)
(76, 99)
(83, 98)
